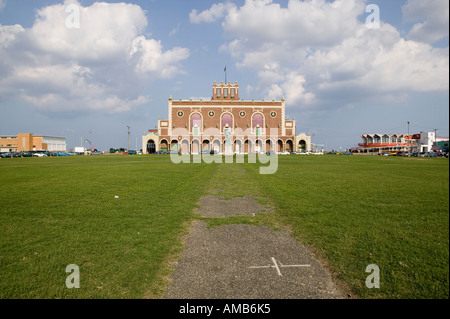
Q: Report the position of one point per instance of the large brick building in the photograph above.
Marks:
(225, 123)
(29, 142)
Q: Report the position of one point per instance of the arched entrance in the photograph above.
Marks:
(302, 146)
(280, 146)
(205, 145)
(238, 147)
(258, 146)
(217, 146)
(151, 147)
(269, 146)
(248, 146)
(164, 146)
(185, 147)
(174, 145)
(195, 147)
(289, 146)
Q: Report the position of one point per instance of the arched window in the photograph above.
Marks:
(196, 121)
(257, 119)
(227, 118)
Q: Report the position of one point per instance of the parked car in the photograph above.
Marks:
(422, 154)
(27, 154)
(346, 153)
(431, 155)
(5, 155)
(39, 154)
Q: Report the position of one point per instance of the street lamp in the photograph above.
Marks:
(128, 149)
(409, 143)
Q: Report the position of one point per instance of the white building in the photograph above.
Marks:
(427, 139)
(54, 143)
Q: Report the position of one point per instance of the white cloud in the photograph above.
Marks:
(149, 57)
(432, 17)
(317, 52)
(2, 4)
(216, 12)
(102, 66)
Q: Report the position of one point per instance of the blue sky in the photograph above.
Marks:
(340, 77)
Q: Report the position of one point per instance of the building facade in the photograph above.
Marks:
(226, 125)
(28, 142)
(384, 143)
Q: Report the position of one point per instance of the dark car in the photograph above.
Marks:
(5, 155)
(431, 155)
(27, 154)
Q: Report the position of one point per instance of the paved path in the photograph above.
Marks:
(247, 262)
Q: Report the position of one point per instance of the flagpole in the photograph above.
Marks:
(225, 70)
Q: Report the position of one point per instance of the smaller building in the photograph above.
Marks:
(385, 143)
(428, 140)
(23, 142)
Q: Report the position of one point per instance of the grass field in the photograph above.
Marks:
(352, 210)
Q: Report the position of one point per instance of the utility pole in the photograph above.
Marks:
(128, 138)
(409, 143)
(435, 139)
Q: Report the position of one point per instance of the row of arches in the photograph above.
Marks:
(239, 146)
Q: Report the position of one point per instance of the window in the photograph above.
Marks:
(258, 121)
(225, 93)
(227, 119)
(218, 92)
(233, 93)
(196, 120)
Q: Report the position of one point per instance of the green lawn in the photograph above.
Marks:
(353, 210)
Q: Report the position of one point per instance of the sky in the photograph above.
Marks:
(87, 70)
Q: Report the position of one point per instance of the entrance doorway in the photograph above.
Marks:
(151, 147)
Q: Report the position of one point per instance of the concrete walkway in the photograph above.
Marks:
(246, 262)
